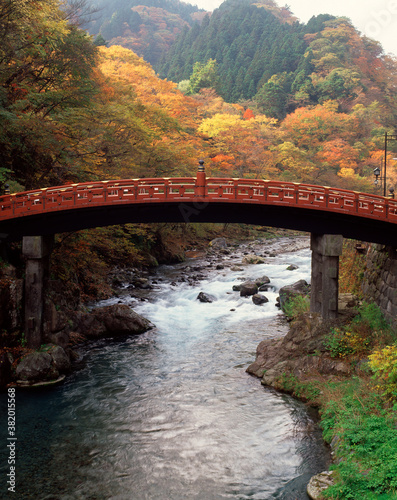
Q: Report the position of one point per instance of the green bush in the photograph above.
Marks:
(384, 364)
(371, 316)
(367, 330)
(336, 343)
(296, 305)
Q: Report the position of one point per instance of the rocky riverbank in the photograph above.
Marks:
(68, 322)
(300, 353)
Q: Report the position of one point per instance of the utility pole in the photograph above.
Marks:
(388, 137)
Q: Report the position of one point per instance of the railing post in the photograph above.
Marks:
(200, 180)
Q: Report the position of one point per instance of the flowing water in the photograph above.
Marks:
(172, 414)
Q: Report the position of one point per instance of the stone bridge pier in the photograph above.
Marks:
(36, 251)
(326, 249)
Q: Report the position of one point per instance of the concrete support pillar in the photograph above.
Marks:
(326, 249)
(36, 251)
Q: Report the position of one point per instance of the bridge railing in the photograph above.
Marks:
(187, 189)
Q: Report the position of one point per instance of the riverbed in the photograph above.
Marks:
(172, 414)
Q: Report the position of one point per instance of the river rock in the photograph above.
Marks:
(60, 359)
(218, 243)
(253, 259)
(236, 269)
(318, 484)
(61, 338)
(292, 267)
(264, 280)
(259, 299)
(142, 283)
(266, 288)
(35, 366)
(205, 297)
(118, 319)
(248, 288)
(301, 287)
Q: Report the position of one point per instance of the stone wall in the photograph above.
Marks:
(380, 280)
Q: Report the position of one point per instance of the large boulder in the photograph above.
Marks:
(300, 352)
(301, 287)
(248, 288)
(43, 365)
(108, 321)
(35, 366)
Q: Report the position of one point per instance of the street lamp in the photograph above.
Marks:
(377, 175)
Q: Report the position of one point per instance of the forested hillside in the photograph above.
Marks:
(263, 53)
(248, 41)
(148, 27)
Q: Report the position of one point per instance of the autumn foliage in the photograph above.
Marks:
(71, 111)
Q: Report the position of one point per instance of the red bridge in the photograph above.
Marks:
(315, 209)
(325, 212)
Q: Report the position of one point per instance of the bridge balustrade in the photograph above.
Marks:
(154, 190)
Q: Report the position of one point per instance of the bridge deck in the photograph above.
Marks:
(19, 210)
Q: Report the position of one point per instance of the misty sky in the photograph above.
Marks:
(375, 18)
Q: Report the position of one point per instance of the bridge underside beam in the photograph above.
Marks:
(36, 251)
(311, 221)
(326, 249)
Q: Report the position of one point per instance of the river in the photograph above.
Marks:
(172, 414)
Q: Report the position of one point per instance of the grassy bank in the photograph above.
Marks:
(358, 413)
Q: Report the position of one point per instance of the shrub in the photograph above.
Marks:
(384, 364)
(296, 305)
(368, 329)
(336, 342)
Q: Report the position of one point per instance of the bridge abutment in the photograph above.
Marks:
(36, 251)
(326, 249)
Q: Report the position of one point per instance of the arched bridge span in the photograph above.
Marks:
(323, 211)
(304, 207)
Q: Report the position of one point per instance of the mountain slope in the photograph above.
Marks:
(263, 53)
(148, 27)
(249, 42)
